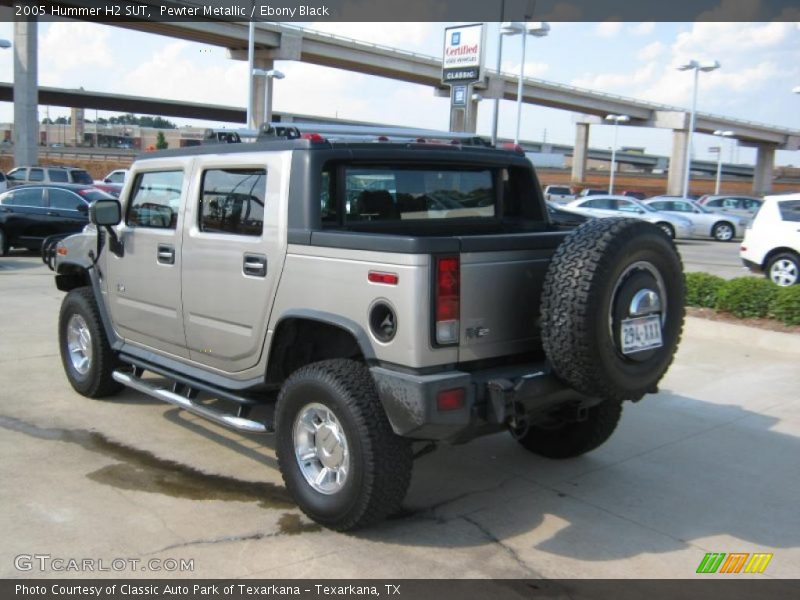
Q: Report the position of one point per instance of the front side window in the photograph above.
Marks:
(57, 175)
(232, 201)
(790, 210)
(64, 200)
(155, 200)
(625, 206)
(36, 175)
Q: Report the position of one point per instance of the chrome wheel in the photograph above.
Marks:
(723, 232)
(783, 272)
(321, 450)
(79, 344)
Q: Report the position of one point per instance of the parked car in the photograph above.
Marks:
(117, 176)
(592, 192)
(3, 182)
(705, 223)
(31, 213)
(23, 175)
(114, 189)
(564, 219)
(558, 193)
(741, 206)
(620, 206)
(772, 243)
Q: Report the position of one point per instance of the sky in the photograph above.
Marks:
(760, 66)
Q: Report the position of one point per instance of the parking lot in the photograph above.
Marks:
(709, 464)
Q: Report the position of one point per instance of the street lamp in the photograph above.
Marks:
(269, 74)
(696, 66)
(721, 134)
(536, 29)
(796, 89)
(5, 44)
(616, 119)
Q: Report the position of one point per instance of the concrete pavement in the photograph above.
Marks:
(707, 465)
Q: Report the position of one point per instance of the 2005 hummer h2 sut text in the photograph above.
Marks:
(371, 294)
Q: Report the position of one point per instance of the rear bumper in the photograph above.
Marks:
(752, 266)
(493, 398)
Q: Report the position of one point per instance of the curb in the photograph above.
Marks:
(747, 337)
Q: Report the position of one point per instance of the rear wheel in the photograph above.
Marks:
(557, 436)
(340, 459)
(784, 269)
(612, 308)
(86, 355)
(722, 232)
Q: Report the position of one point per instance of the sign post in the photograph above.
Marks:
(462, 67)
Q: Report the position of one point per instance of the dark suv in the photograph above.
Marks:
(31, 213)
(22, 175)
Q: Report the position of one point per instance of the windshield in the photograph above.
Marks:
(80, 176)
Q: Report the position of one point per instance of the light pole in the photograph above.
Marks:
(616, 119)
(696, 66)
(270, 74)
(721, 134)
(536, 29)
(251, 50)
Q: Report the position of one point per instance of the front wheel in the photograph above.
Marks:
(558, 437)
(784, 269)
(340, 459)
(86, 355)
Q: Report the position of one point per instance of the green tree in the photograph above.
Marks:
(161, 141)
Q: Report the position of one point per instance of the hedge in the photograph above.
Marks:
(744, 297)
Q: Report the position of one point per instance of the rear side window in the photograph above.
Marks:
(25, 197)
(155, 200)
(81, 176)
(232, 201)
(558, 190)
(790, 210)
(36, 175)
(57, 175)
(392, 194)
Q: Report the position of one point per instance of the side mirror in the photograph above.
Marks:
(105, 213)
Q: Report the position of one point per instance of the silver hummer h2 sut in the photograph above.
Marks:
(370, 295)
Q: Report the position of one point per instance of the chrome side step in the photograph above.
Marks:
(160, 393)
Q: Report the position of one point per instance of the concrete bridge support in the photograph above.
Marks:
(26, 94)
(765, 164)
(677, 163)
(580, 152)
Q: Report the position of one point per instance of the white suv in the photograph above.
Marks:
(772, 243)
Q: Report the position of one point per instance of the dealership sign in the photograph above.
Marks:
(462, 61)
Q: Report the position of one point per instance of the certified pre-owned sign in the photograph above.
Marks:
(462, 61)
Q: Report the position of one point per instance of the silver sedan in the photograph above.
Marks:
(623, 206)
(721, 227)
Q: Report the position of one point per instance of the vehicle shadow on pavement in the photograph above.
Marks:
(10, 262)
(678, 471)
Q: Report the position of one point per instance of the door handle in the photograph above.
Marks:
(50, 213)
(166, 254)
(255, 265)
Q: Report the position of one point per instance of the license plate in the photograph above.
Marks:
(641, 333)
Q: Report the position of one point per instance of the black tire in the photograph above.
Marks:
(790, 273)
(568, 439)
(96, 382)
(380, 461)
(4, 247)
(723, 231)
(581, 316)
(668, 229)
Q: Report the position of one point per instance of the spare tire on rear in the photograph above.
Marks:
(612, 287)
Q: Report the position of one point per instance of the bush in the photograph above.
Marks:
(746, 297)
(786, 305)
(702, 289)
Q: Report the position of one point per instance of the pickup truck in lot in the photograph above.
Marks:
(377, 297)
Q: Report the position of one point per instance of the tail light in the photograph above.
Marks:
(314, 138)
(448, 299)
(450, 399)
